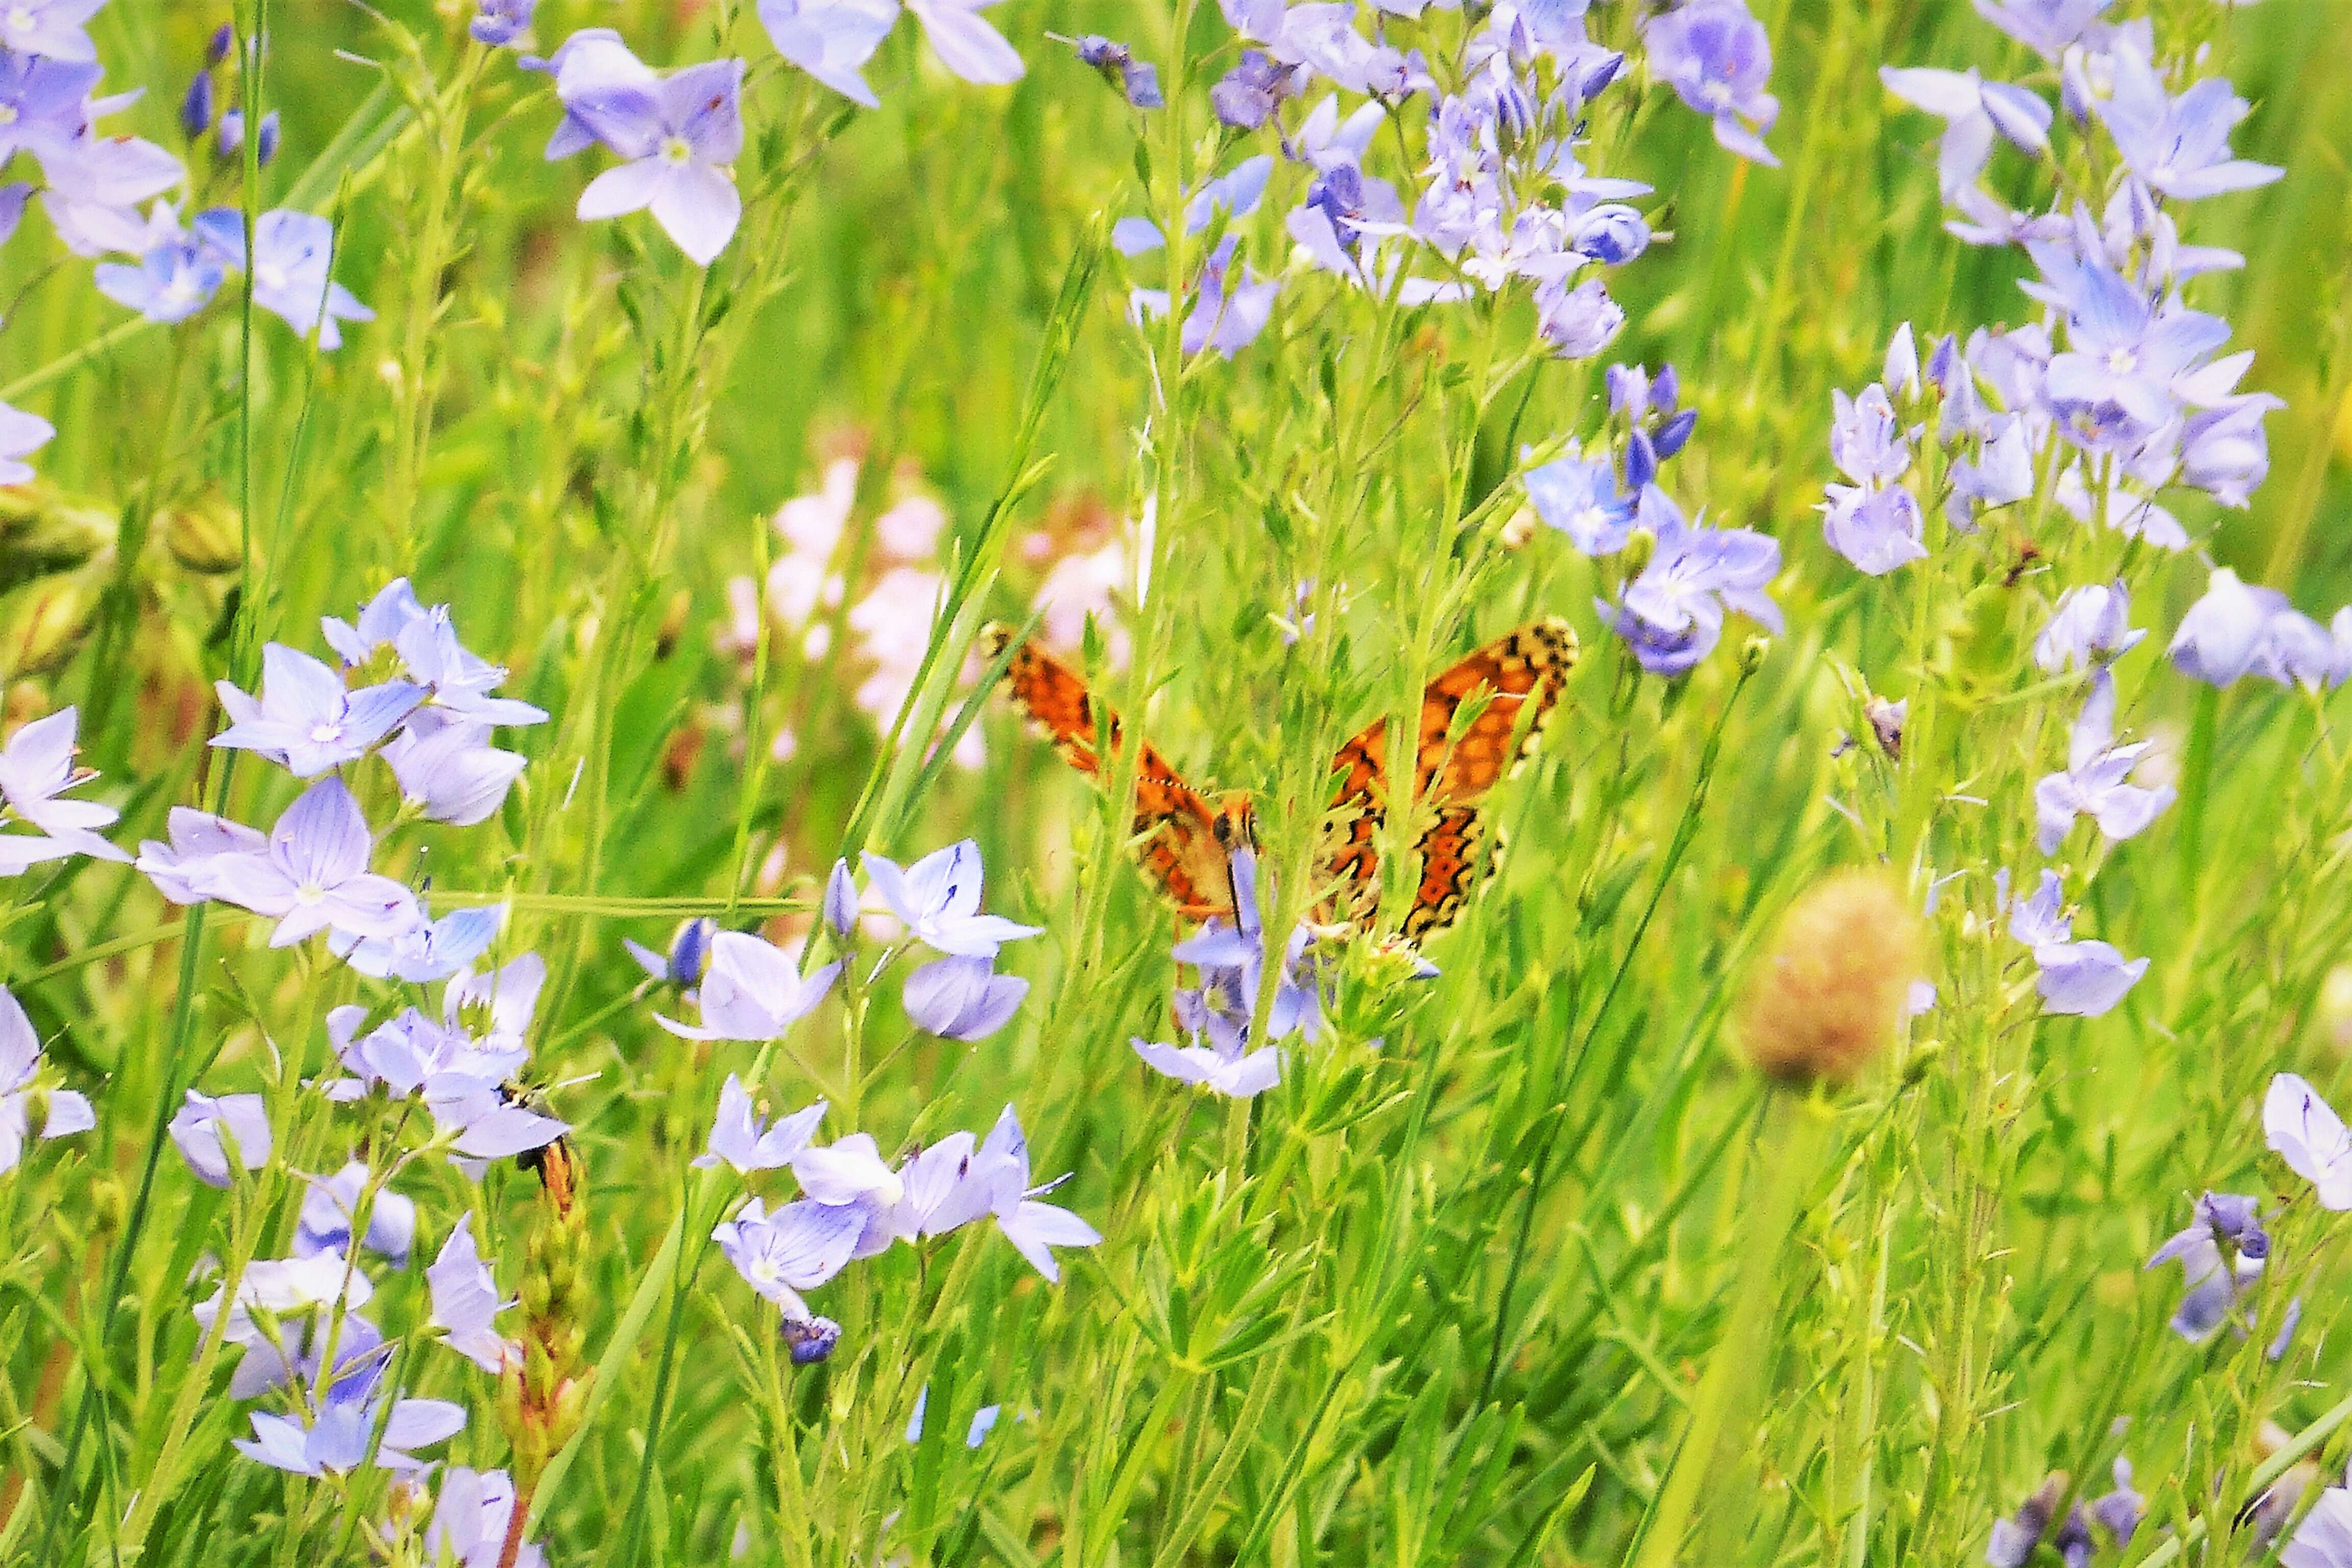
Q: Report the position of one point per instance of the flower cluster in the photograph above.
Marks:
(430, 719)
(1230, 960)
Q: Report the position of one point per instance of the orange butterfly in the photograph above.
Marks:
(1185, 844)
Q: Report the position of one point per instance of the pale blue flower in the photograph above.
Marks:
(741, 1138)
(679, 137)
(2090, 626)
(2211, 1283)
(291, 253)
(2045, 26)
(335, 1440)
(470, 1517)
(20, 1061)
(1974, 111)
(296, 1293)
(966, 45)
(751, 990)
(2323, 1537)
(314, 874)
(184, 868)
(1582, 499)
(961, 998)
(204, 1128)
(21, 435)
(798, 1248)
(848, 1172)
(1867, 443)
(2096, 782)
(44, 104)
(447, 770)
(938, 897)
(1877, 530)
(2302, 1128)
(1672, 615)
(423, 951)
(37, 769)
(488, 1123)
(1034, 1229)
(2084, 979)
(231, 140)
(324, 1222)
(592, 68)
(304, 720)
(499, 23)
(51, 28)
(173, 281)
(1237, 1077)
(1716, 57)
(465, 1303)
(1579, 322)
(831, 39)
(1137, 80)
(2221, 635)
(2179, 146)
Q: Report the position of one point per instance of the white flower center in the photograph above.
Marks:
(326, 734)
(2123, 362)
(7, 114)
(21, 19)
(269, 276)
(674, 150)
(309, 893)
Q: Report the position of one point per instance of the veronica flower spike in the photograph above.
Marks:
(751, 990)
(679, 139)
(938, 897)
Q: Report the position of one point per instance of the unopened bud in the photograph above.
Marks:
(1519, 529)
(1830, 992)
(45, 627)
(1640, 546)
(1753, 653)
(202, 534)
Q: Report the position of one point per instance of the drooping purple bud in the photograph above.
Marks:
(1641, 461)
(1628, 387)
(1666, 391)
(196, 107)
(841, 900)
(1675, 433)
(217, 49)
(689, 949)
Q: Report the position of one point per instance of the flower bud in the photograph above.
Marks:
(202, 534)
(1830, 992)
(1518, 531)
(45, 626)
(1753, 653)
(196, 107)
(810, 1340)
(1640, 546)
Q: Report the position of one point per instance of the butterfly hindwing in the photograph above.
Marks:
(1175, 836)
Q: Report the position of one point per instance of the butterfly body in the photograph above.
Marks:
(1185, 842)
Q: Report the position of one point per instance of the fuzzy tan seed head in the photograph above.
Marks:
(1828, 993)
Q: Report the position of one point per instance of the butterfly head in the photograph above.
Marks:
(1237, 822)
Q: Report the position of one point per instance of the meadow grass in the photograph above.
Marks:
(1520, 1263)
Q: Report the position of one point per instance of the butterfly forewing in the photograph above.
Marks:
(1174, 837)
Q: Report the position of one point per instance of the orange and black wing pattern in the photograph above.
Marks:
(1452, 772)
(1179, 839)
